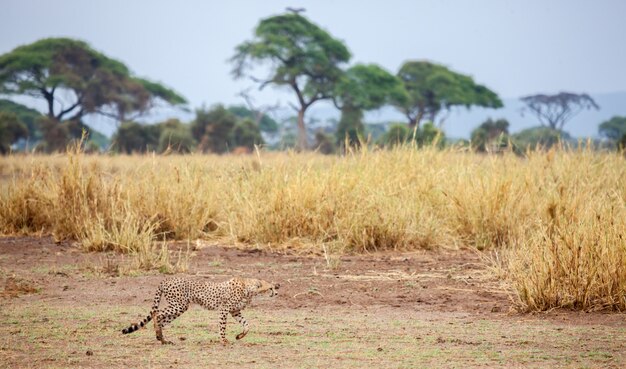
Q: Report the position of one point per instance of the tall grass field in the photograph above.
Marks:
(552, 222)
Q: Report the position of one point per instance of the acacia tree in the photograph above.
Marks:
(175, 136)
(301, 56)
(212, 129)
(613, 129)
(490, 135)
(133, 137)
(28, 116)
(11, 130)
(76, 80)
(432, 88)
(554, 111)
(363, 87)
(246, 133)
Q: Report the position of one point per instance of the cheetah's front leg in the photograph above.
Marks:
(223, 316)
(242, 321)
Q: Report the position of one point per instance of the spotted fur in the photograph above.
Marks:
(227, 297)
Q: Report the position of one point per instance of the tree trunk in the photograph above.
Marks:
(414, 122)
(350, 129)
(302, 139)
(50, 100)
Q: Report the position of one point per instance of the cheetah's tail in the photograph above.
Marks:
(136, 326)
(155, 309)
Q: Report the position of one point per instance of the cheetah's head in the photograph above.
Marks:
(258, 286)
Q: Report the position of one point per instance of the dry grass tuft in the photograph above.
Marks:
(25, 205)
(574, 255)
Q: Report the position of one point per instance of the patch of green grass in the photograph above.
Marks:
(216, 263)
(601, 355)
(44, 334)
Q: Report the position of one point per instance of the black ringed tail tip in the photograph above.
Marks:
(130, 329)
(136, 327)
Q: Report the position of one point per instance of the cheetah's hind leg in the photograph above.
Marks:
(165, 317)
(158, 329)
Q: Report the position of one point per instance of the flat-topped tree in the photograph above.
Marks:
(433, 88)
(554, 111)
(76, 80)
(300, 55)
(363, 87)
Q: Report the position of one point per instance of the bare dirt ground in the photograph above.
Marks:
(62, 308)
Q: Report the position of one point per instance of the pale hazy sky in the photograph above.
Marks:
(513, 47)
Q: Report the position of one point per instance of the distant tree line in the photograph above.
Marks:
(73, 81)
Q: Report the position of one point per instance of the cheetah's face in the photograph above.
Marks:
(258, 286)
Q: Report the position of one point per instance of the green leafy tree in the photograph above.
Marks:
(553, 111)
(613, 129)
(11, 130)
(246, 133)
(34, 121)
(300, 55)
(129, 138)
(266, 123)
(363, 87)
(91, 81)
(432, 88)
(175, 136)
(57, 136)
(429, 134)
(544, 137)
(324, 143)
(399, 134)
(219, 130)
(26, 115)
(491, 135)
(212, 129)
(350, 129)
(132, 137)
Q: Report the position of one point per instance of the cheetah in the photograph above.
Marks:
(230, 296)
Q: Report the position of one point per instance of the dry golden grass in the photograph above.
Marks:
(558, 217)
